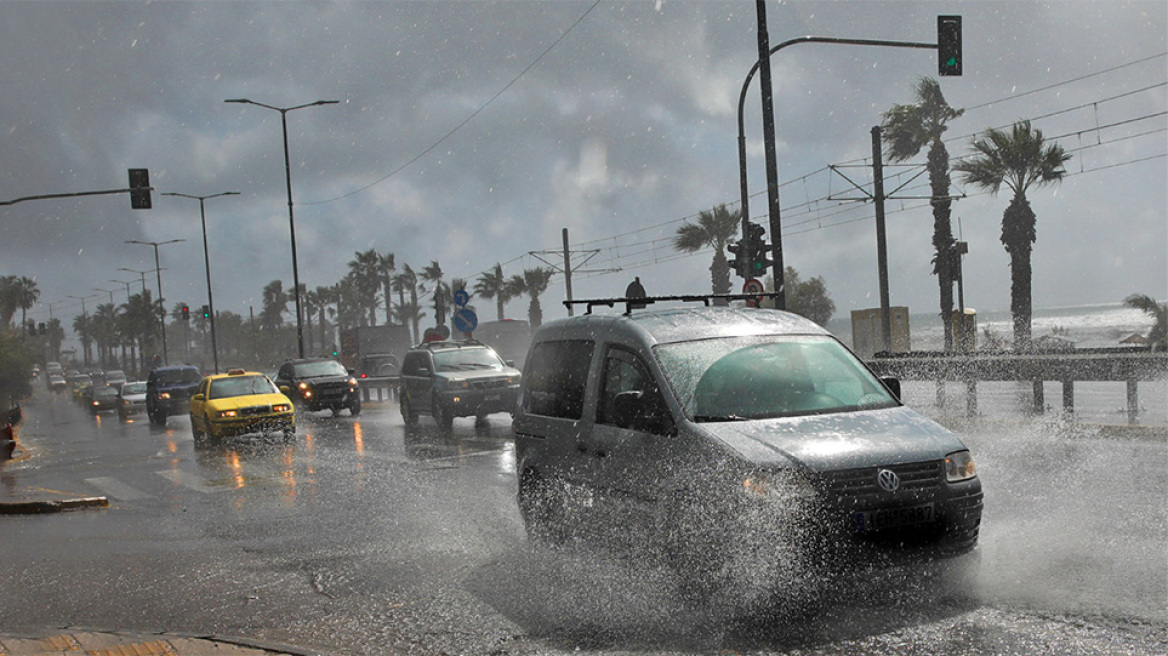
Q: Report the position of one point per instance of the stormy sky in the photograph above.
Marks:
(472, 133)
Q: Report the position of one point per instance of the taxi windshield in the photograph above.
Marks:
(768, 376)
(240, 386)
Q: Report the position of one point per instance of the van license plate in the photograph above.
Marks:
(877, 520)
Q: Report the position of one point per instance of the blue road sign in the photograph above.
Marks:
(461, 298)
(465, 320)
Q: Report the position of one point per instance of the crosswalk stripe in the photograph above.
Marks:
(112, 487)
(179, 477)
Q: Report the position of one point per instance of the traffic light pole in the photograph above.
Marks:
(772, 188)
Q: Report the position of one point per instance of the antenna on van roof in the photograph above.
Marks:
(641, 302)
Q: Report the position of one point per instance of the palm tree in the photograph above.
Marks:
(433, 273)
(7, 299)
(1158, 335)
(275, 304)
(386, 265)
(81, 326)
(494, 285)
(365, 269)
(405, 281)
(713, 229)
(533, 282)
(105, 331)
(25, 295)
(325, 296)
(1019, 159)
(907, 129)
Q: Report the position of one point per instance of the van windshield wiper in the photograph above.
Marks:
(712, 418)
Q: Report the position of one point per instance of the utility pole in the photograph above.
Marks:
(567, 270)
(881, 239)
(772, 165)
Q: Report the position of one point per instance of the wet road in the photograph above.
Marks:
(357, 537)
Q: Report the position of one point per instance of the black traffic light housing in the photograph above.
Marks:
(757, 250)
(738, 264)
(140, 189)
(206, 309)
(186, 313)
(949, 45)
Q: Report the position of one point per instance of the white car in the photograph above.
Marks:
(132, 399)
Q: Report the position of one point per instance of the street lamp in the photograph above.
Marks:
(123, 282)
(107, 291)
(158, 270)
(141, 273)
(291, 221)
(207, 264)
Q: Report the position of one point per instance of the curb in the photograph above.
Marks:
(51, 506)
(250, 644)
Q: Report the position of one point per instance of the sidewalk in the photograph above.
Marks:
(69, 642)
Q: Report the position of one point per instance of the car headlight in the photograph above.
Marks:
(223, 414)
(779, 485)
(282, 407)
(164, 395)
(959, 467)
(303, 386)
(352, 382)
(455, 384)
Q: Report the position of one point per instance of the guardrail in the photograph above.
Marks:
(1117, 365)
(385, 388)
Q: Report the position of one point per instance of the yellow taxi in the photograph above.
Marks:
(240, 402)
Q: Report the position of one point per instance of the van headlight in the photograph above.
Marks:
(959, 467)
(779, 485)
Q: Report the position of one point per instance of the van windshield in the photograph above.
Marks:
(761, 377)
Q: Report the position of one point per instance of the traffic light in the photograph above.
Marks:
(949, 45)
(42, 329)
(738, 264)
(206, 311)
(757, 250)
(186, 313)
(140, 189)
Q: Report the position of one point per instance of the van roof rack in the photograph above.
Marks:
(639, 303)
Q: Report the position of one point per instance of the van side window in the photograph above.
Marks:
(556, 376)
(624, 372)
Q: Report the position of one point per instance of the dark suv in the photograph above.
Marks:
(319, 384)
(169, 390)
(456, 379)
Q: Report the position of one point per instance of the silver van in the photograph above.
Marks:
(735, 439)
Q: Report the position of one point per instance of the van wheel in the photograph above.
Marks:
(542, 509)
(354, 407)
(157, 418)
(441, 414)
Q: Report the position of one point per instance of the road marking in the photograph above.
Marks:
(179, 477)
(112, 487)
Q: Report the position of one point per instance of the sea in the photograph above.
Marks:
(1085, 326)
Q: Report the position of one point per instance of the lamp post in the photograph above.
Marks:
(106, 291)
(140, 273)
(123, 282)
(291, 221)
(207, 265)
(158, 271)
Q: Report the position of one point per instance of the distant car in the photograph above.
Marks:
(132, 399)
(115, 378)
(456, 379)
(169, 390)
(56, 383)
(378, 365)
(319, 384)
(239, 402)
(78, 385)
(101, 398)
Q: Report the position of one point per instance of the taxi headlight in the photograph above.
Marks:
(222, 414)
(281, 407)
(959, 467)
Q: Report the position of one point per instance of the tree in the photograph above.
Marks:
(1019, 159)
(16, 360)
(7, 299)
(907, 129)
(494, 285)
(386, 265)
(366, 273)
(1158, 335)
(433, 273)
(82, 327)
(714, 229)
(275, 304)
(24, 294)
(807, 298)
(407, 281)
(533, 282)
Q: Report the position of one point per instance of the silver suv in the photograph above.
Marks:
(456, 379)
(742, 440)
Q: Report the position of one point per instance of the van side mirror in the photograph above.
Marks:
(893, 385)
(632, 410)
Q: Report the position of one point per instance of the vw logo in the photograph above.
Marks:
(888, 480)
